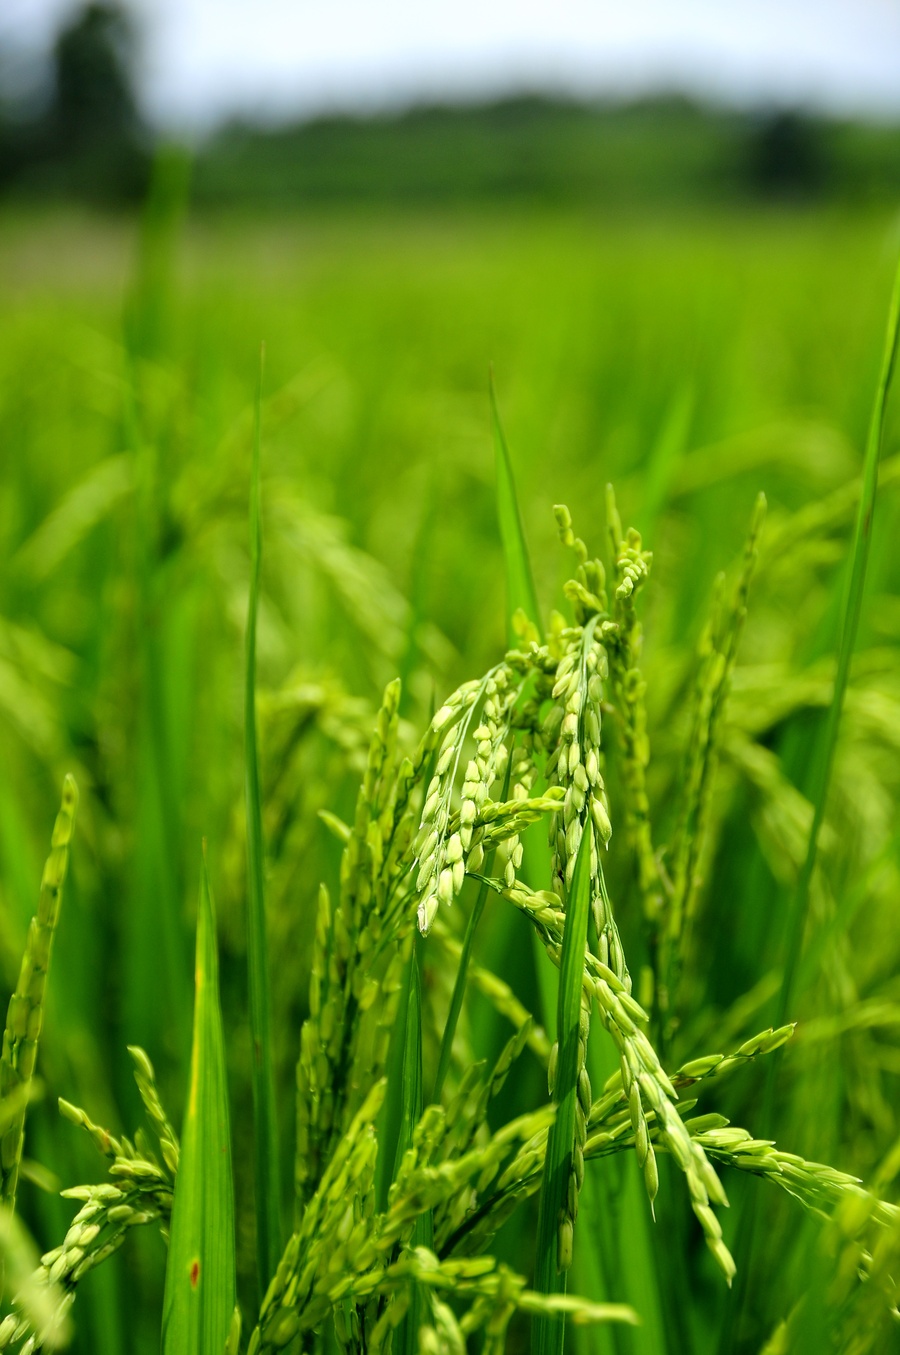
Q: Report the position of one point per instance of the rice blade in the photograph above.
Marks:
(412, 1094)
(265, 1123)
(26, 1006)
(520, 592)
(852, 609)
(548, 1334)
(200, 1292)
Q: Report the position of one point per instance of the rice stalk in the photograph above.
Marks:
(852, 610)
(564, 1159)
(413, 1104)
(40, 1303)
(826, 748)
(25, 1014)
(719, 648)
(350, 936)
(520, 590)
(267, 1157)
(631, 567)
(462, 968)
(397, 1199)
(200, 1291)
(139, 1193)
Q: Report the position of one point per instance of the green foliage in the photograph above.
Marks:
(520, 594)
(376, 1267)
(564, 1159)
(540, 150)
(139, 1193)
(266, 1162)
(413, 1104)
(678, 740)
(25, 1015)
(200, 1275)
(859, 559)
(86, 139)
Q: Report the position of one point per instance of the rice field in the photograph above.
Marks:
(511, 941)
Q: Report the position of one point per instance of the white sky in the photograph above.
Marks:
(204, 58)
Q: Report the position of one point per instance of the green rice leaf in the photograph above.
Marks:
(664, 459)
(39, 1303)
(520, 590)
(84, 506)
(26, 1006)
(558, 1163)
(859, 559)
(265, 1123)
(521, 596)
(459, 983)
(459, 990)
(413, 1103)
(391, 1112)
(615, 1257)
(834, 927)
(156, 1000)
(412, 1099)
(200, 1292)
(799, 908)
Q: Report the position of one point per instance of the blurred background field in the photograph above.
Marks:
(688, 302)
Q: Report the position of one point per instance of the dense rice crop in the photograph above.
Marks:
(617, 853)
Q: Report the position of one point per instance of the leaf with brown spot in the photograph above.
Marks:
(200, 1275)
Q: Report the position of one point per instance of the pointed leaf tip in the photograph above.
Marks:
(520, 590)
(200, 1290)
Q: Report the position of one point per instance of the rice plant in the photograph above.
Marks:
(583, 929)
(406, 1162)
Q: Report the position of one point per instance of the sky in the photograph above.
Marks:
(205, 59)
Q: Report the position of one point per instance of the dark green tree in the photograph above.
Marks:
(89, 140)
(93, 59)
(96, 127)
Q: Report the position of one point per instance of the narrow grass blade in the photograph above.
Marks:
(459, 990)
(821, 782)
(859, 558)
(521, 594)
(200, 1292)
(407, 1341)
(91, 500)
(519, 579)
(26, 1006)
(840, 921)
(42, 1304)
(662, 463)
(265, 1123)
(459, 984)
(19, 861)
(558, 1163)
(419, 577)
(719, 649)
(148, 311)
(391, 1116)
(615, 1258)
(153, 918)
(157, 1009)
(411, 1097)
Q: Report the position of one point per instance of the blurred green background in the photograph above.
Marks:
(685, 301)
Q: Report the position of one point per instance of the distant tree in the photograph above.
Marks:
(89, 141)
(787, 156)
(95, 123)
(93, 59)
